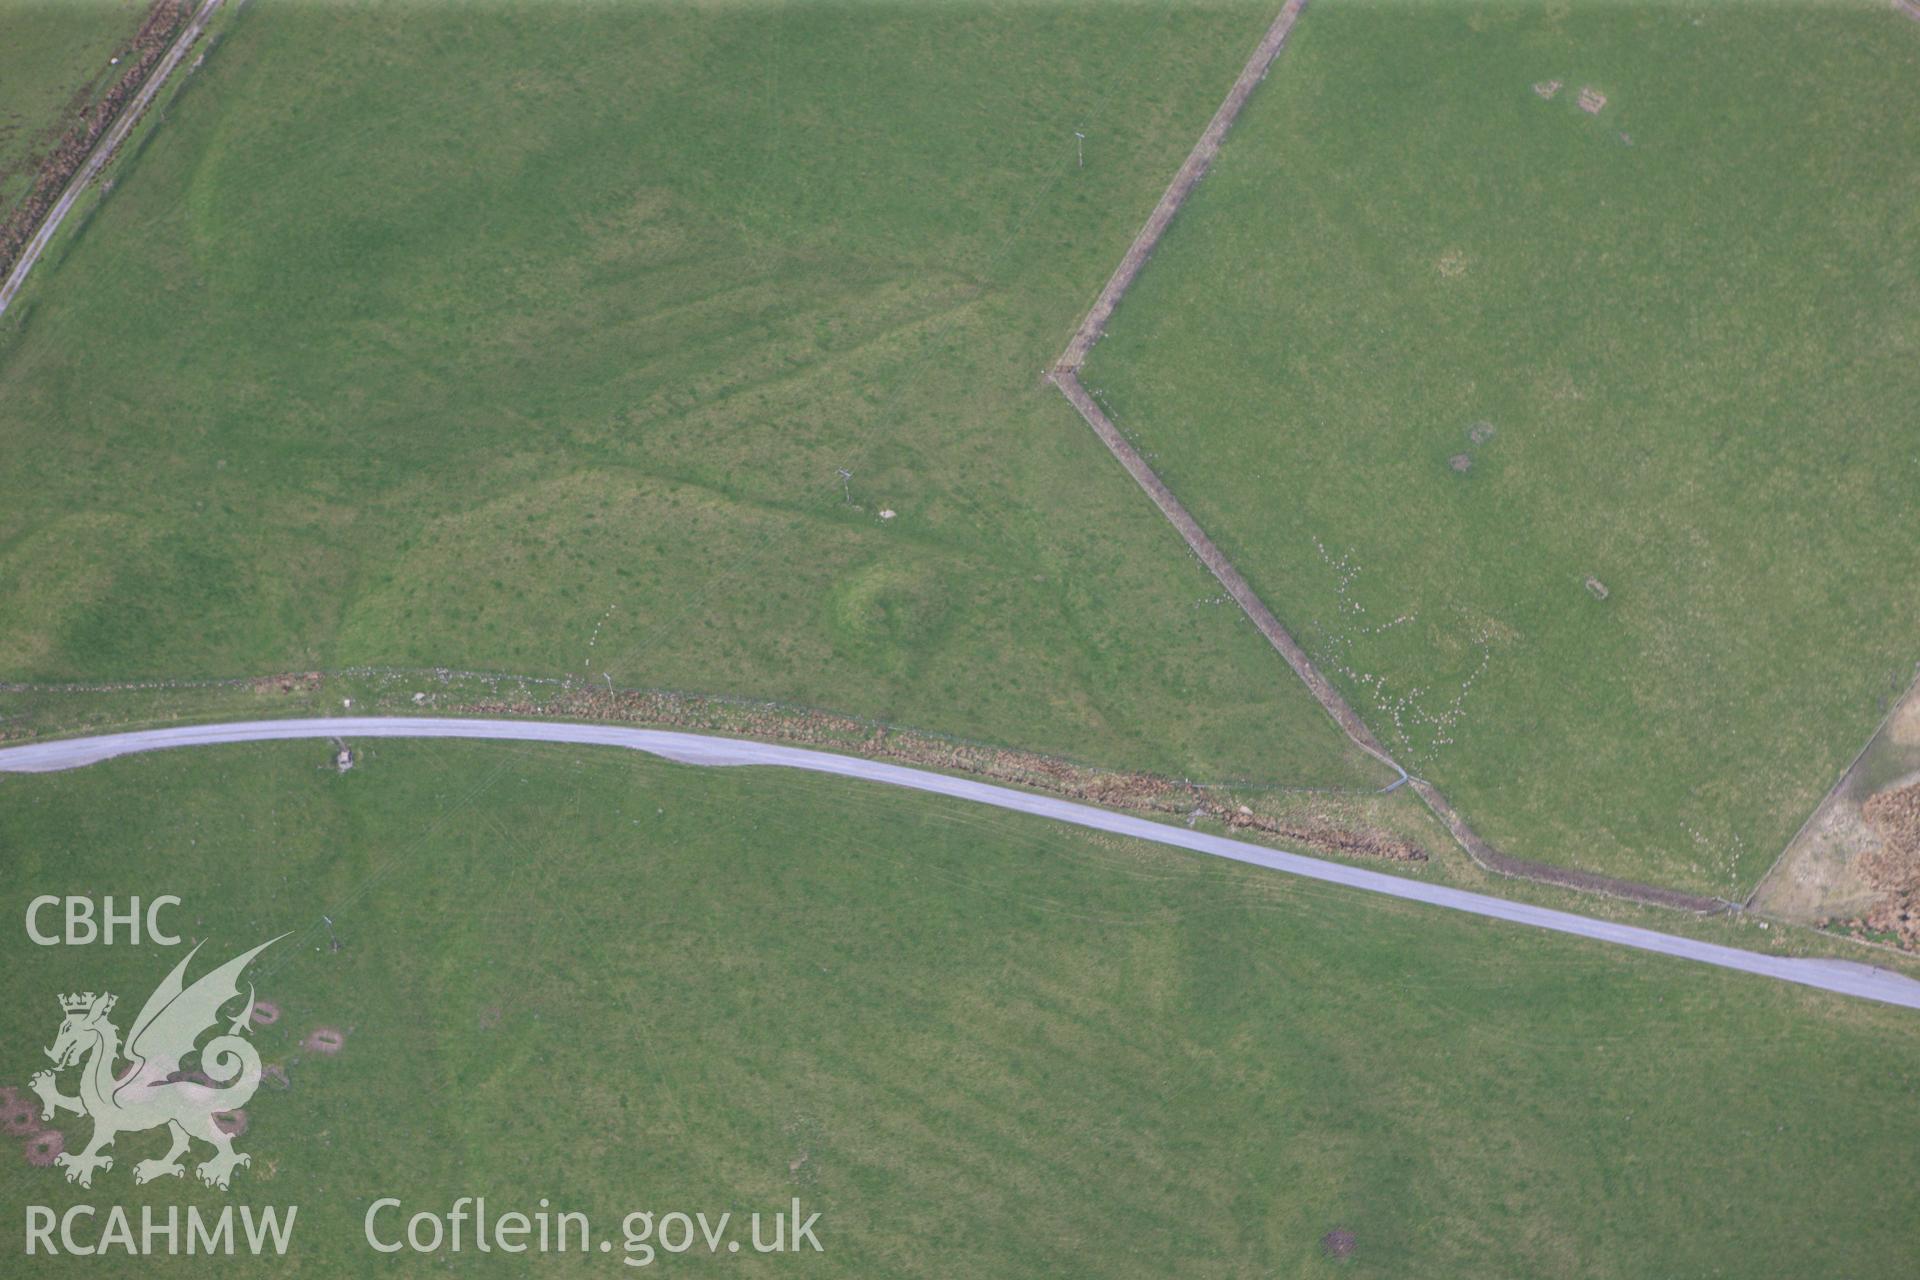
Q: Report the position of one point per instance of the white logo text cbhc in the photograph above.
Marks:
(84, 929)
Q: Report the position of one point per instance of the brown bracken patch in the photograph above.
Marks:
(291, 682)
(1894, 868)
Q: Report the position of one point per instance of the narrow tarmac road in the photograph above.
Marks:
(1842, 976)
(103, 152)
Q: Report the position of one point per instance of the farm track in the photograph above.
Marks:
(1065, 375)
(1844, 977)
(103, 151)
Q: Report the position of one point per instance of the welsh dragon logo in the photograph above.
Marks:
(152, 1090)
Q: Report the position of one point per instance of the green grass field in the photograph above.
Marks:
(596, 340)
(55, 56)
(1691, 322)
(425, 335)
(981, 1045)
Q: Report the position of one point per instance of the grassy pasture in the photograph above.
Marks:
(980, 1044)
(463, 335)
(1691, 322)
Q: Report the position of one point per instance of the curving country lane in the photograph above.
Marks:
(1844, 977)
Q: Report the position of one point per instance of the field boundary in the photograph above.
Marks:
(103, 151)
(1192, 169)
(1065, 374)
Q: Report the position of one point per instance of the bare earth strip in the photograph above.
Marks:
(103, 152)
(1065, 374)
